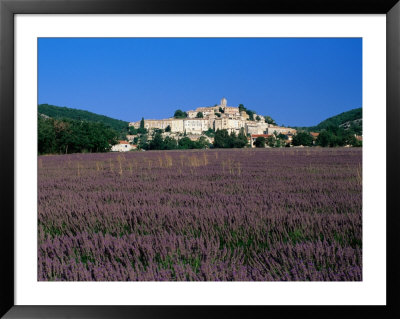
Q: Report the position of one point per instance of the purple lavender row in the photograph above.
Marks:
(248, 215)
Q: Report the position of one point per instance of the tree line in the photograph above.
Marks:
(327, 138)
(158, 142)
(66, 136)
(222, 139)
(338, 136)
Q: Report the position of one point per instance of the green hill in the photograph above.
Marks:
(341, 119)
(58, 112)
(347, 120)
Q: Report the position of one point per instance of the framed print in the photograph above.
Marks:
(199, 159)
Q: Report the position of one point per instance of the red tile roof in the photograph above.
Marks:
(123, 142)
(261, 135)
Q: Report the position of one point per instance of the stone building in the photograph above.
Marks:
(176, 125)
(192, 114)
(216, 117)
(253, 127)
(244, 115)
(280, 130)
(122, 146)
(208, 111)
(195, 126)
(232, 125)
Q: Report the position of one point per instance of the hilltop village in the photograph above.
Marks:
(62, 130)
(216, 117)
(203, 122)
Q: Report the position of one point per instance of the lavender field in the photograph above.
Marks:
(205, 215)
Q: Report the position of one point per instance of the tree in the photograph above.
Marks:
(276, 140)
(67, 136)
(201, 143)
(210, 132)
(168, 129)
(282, 136)
(46, 136)
(258, 118)
(279, 142)
(232, 139)
(260, 141)
(199, 115)
(71, 136)
(222, 139)
(143, 142)
(142, 129)
(357, 143)
(356, 127)
(250, 113)
(270, 141)
(185, 143)
(218, 114)
(342, 118)
(170, 143)
(302, 138)
(132, 130)
(221, 110)
(269, 120)
(179, 114)
(241, 140)
(325, 138)
(157, 143)
(337, 136)
(63, 113)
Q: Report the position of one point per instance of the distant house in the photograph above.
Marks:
(122, 146)
(314, 136)
(289, 138)
(254, 137)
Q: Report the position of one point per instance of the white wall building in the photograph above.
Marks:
(122, 146)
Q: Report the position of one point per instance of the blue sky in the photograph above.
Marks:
(296, 81)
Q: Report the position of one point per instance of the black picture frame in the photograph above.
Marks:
(8, 8)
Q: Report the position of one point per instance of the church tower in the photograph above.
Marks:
(223, 102)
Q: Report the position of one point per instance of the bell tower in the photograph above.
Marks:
(223, 102)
